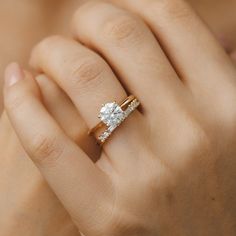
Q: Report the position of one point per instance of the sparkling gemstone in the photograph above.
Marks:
(111, 114)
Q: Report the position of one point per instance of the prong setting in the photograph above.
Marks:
(116, 119)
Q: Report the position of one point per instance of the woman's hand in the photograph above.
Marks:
(26, 199)
(170, 169)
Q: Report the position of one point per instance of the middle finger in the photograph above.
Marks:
(132, 51)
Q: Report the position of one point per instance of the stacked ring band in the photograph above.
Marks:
(112, 115)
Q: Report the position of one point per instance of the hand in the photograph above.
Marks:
(170, 168)
(26, 199)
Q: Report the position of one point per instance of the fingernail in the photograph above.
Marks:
(13, 74)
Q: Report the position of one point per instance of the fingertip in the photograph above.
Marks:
(13, 74)
(42, 79)
(19, 85)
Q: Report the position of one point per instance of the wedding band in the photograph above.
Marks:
(112, 115)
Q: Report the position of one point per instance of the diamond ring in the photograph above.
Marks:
(112, 115)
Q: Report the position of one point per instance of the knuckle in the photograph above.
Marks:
(173, 10)
(87, 72)
(45, 149)
(41, 53)
(86, 7)
(123, 28)
(49, 42)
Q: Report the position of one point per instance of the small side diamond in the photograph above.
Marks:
(134, 104)
(104, 136)
(111, 129)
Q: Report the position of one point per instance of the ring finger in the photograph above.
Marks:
(89, 82)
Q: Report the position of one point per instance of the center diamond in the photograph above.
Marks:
(111, 114)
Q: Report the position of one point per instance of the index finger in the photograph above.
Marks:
(76, 180)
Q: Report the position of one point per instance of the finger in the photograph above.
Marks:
(78, 183)
(89, 82)
(132, 50)
(64, 112)
(192, 49)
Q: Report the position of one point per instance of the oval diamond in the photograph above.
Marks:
(111, 114)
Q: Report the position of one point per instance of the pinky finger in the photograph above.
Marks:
(72, 175)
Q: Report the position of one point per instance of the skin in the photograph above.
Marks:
(25, 203)
(37, 14)
(217, 216)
